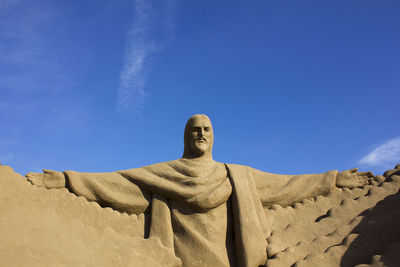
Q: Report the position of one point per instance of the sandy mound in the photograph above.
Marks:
(40, 227)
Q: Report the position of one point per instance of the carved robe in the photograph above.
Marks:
(210, 213)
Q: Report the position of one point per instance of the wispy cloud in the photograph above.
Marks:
(151, 31)
(385, 155)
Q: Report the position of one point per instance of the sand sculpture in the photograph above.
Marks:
(197, 212)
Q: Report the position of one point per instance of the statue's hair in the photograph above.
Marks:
(189, 123)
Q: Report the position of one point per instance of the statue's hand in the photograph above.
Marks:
(395, 171)
(352, 178)
(48, 179)
(36, 178)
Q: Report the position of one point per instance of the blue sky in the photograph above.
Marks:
(290, 86)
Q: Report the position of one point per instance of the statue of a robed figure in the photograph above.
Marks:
(209, 213)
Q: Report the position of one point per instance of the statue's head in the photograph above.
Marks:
(198, 137)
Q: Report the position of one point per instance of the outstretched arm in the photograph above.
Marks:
(108, 189)
(288, 189)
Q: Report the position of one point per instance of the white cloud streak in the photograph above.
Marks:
(140, 46)
(384, 155)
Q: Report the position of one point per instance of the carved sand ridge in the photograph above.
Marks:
(41, 227)
(345, 228)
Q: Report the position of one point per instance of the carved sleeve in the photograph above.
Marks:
(288, 189)
(109, 190)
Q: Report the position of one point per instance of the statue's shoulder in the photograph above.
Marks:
(156, 165)
(152, 168)
(231, 166)
(248, 169)
(162, 164)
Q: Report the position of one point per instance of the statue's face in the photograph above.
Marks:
(200, 136)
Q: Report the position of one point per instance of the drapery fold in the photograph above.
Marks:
(249, 221)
